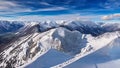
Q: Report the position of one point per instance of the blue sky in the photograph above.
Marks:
(33, 10)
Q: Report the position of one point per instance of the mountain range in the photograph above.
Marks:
(59, 44)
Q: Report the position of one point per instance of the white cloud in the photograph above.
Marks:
(7, 5)
(111, 17)
(52, 9)
(65, 17)
(11, 8)
(45, 3)
(51, 18)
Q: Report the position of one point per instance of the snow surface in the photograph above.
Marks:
(51, 58)
(61, 48)
(96, 44)
(106, 57)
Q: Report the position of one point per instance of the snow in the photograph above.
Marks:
(51, 58)
(111, 64)
(61, 32)
(62, 48)
(95, 60)
(96, 44)
(106, 57)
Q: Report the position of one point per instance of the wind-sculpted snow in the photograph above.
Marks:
(107, 56)
(94, 44)
(67, 38)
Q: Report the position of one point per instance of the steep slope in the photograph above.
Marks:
(7, 38)
(67, 37)
(27, 48)
(51, 58)
(94, 44)
(107, 56)
(76, 39)
(23, 50)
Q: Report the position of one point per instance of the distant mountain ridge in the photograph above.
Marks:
(85, 27)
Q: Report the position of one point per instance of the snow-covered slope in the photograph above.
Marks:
(94, 44)
(51, 58)
(111, 27)
(35, 42)
(106, 57)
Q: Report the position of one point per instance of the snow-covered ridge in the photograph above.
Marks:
(28, 48)
(92, 46)
(85, 27)
(76, 39)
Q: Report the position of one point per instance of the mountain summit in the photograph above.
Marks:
(28, 44)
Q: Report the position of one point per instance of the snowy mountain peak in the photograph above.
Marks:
(76, 39)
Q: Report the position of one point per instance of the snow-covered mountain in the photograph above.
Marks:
(7, 26)
(65, 44)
